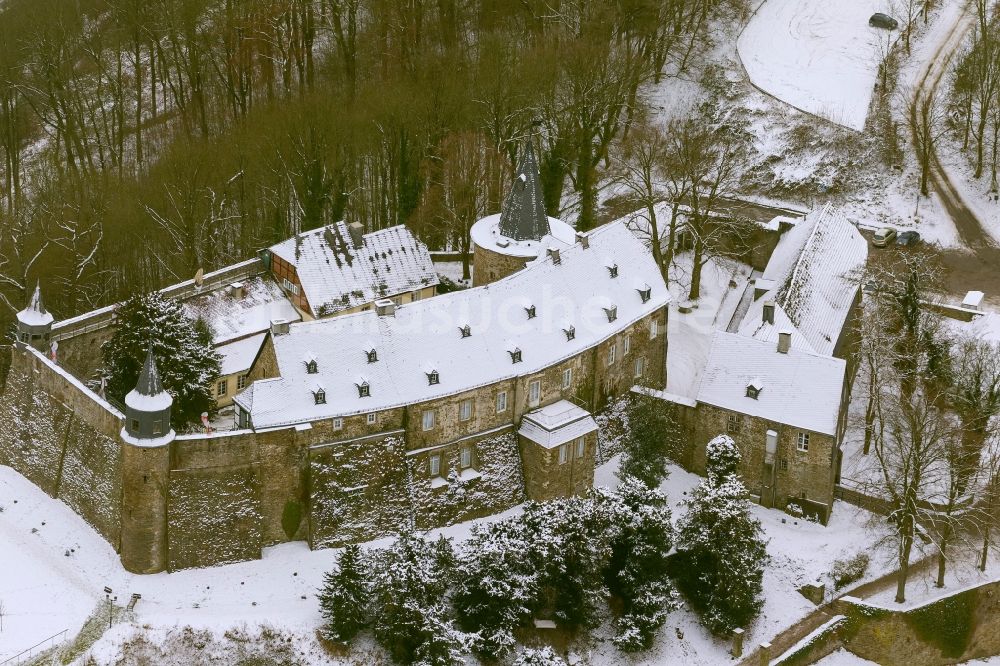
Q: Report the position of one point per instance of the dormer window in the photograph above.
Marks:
(570, 332)
(311, 367)
(319, 395)
(364, 390)
(645, 293)
(530, 309)
(753, 389)
(515, 355)
(433, 378)
(372, 355)
(466, 330)
(613, 270)
(612, 313)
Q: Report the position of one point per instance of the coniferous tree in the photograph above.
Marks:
(410, 580)
(637, 572)
(497, 586)
(187, 363)
(650, 439)
(344, 598)
(721, 547)
(545, 656)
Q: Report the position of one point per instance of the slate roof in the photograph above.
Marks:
(337, 276)
(426, 335)
(233, 318)
(801, 389)
(35, 313)
(812, 271)
(149, 378)
(523, 215)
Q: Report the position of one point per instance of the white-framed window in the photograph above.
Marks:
(627, 345)
(434, 464)
(241, 382)
(581, 447)
(567, 378)
(803, 442)
(654, 329)
(290, 286)
(640, 367)
(733, 423)
(783, 465)
(338, 423)
(222, 388)
(466, 457)
(502, 401)
(563, 454)
(372, 417)
(612, 353)
(428, 419)
(465, 410)
(534, 392)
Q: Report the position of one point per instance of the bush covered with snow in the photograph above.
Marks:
(651, 440)
(545, 656)
(849, 570)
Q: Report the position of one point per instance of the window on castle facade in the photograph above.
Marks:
(157, 427)
(567, 379)
(612, 353)
(222, 388)
(563, 454)
(372, 417)
(627, 345)
(338, 423)
(733, 423)
(654, 329)
(640, 367)
(427, 421)
(465, 410)
(803, 442)
(241, 382)
(534, 392)
(290, 286)
(434, 465)
(466, 457)
(581, 447)
(501, 401)
(783, 464)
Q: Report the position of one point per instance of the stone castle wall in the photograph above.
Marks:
(208, 499)
(491, 266)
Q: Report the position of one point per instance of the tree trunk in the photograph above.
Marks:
(699, 250)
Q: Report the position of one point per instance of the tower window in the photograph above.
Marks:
(135, 425)
(157, 427)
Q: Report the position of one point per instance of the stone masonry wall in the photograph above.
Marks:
(491, 266)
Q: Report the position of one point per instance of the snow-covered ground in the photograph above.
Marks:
(818, 56)
(45, 590)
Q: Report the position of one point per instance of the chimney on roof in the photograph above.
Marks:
(784, 342)
(768, 312)
(554, 253)
(357, 232)
(236, 290)
(583, 239)
(279, 327)
(385, 307)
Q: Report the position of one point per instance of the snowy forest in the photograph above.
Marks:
(144, 140)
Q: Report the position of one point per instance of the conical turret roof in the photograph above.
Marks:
(523, 216)
(35, 314)
(149, 394)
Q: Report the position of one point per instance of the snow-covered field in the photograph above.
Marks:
(819, 56)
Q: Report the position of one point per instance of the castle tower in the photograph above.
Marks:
(506, 242)
(146, 472)
(34, 323)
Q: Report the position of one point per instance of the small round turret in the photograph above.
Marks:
(147, 406)
(34, 323)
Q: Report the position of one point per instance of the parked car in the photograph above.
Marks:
(884, 236)
(880, 20)
(908, 238)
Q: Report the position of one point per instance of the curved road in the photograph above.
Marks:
(981, 268)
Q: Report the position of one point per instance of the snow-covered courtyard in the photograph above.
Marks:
(818, 56)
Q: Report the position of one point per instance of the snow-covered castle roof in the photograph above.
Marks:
(149, 394)
(812, 271)
(35, 313)
(579, 291)
(339, 271)
(523, 216)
